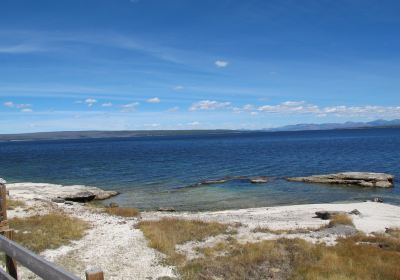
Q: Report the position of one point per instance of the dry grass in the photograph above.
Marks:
(122, 211)
(286, 231)
(295, 259)
(359, 257)
(340, 219)
(13, 203)
(165, 234)
(48, 231)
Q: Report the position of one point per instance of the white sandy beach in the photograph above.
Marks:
(115, 245)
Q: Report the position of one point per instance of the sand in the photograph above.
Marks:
(122, 252)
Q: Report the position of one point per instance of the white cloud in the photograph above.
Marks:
(302, 107)
(290, 107)
(173, 109)
(194, 123)
(9, 104)
(153, 100)
(221, 63)
(26, 110)
(208, 105)
(90, 102)
(107, 104)
(178, 87)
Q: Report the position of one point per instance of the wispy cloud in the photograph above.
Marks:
(37, 41)
(129, 107)
(173, 109)
(23, 107)
(221, 63)
(107, 104)
(153, 100)
(208, 105)
(178, 87)
(21, 49)
(9, 104)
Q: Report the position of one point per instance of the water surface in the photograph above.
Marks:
(151, 171)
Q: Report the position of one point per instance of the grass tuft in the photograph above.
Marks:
(286, 231)
(340, 219)
(13, 203)
(122, 211)
(49, 231)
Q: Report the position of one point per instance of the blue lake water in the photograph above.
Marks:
(149, 171)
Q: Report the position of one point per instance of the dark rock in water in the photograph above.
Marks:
(81, 197)
(211, 182)
(166, 209)
(364, 179)
(68, 203)
(113, 205)
(326, 215)
(377, 199)
(355, 212)
(253, 180)
(58, 200)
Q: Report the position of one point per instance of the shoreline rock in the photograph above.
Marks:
(363, 179)
(58, 193)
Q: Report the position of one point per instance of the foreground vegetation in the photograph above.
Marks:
(48, 231)
(13, 204)
(364, 257)
(165, 234)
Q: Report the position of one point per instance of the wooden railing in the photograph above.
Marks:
(38, 265)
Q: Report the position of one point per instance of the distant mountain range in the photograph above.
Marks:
(330, 126)
(65, 135)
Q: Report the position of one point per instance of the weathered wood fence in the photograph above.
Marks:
(16, 253)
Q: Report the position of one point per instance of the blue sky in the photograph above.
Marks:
(157, 64)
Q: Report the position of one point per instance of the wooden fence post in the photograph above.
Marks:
(94, 274)
(11, 265)
(3, 202)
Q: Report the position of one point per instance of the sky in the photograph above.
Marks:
(185, 64)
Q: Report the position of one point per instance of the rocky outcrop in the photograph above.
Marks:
(364, 179)
(102, 195)
(2, 181)
(58, 193)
